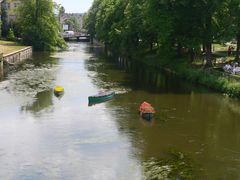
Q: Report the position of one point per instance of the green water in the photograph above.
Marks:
(195, 133)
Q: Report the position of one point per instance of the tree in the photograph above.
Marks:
(39, 26)
(210, 27)
(234, 11)
(90, 18)
(10, 35)
(176, 27)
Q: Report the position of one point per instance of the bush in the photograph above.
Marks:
(10, 35)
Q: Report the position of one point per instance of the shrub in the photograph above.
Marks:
(10, 35)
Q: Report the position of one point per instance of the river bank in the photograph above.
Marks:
(12, 53)
(212, 78)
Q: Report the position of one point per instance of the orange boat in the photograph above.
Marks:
(146, 110)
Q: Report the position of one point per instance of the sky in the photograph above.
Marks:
(75, 6)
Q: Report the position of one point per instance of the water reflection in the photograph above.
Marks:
(42, 100)
(107, 76)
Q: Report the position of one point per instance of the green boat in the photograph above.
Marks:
(100, 97)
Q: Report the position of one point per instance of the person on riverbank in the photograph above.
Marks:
(229, 50)
(227, 68)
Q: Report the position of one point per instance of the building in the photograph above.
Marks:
(10, 6)
(66, 16)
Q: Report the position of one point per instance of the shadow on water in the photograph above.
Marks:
(43, 58)
(107, 73)
(42, 100)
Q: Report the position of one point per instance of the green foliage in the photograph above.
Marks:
(90, 19)
(10, 35)
(133, 25)
(39, 26)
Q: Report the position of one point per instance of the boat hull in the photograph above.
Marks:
(98, 99)
(147, 116)
(58, 93)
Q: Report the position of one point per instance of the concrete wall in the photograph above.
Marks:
(18, 56)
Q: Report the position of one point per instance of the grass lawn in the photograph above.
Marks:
(7, 47)
(220, 54)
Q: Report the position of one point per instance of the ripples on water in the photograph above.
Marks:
(176, 166)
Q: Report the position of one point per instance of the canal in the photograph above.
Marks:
(195, 133)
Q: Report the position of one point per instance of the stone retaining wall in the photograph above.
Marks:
(18, 56)
(1, 66)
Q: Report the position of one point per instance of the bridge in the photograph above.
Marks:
(79, 36)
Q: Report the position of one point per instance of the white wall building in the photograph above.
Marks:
(78, 16)
(10, 7)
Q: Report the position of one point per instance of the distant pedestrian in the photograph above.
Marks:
(232, 49)
(229, 50)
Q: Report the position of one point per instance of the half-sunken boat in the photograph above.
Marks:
(146, 111)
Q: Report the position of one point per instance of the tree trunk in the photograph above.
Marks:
(204, 47)
(91, 38)
(191, 55)
(208, 41)
(209, 54)
(179, 49)
(238, 47)
(151, 46)
(36, 10)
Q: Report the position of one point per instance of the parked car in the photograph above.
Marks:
(68, 34)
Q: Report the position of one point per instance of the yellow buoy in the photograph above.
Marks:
(58, 89)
